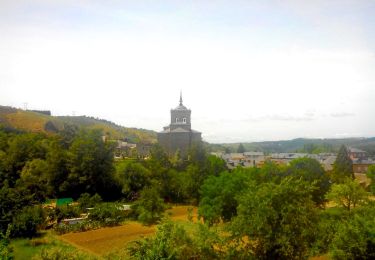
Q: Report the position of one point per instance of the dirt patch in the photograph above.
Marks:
(182, 212)
(105, 240)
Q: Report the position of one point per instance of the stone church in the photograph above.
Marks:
(179, 135)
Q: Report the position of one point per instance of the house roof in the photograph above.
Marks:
(359, 161)
(355, 150)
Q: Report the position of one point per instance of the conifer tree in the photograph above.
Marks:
(343, 166)
(241, 149)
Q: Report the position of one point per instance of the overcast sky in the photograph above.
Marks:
(248, 70)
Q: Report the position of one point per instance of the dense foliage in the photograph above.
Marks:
(271, 212)
(343, 166)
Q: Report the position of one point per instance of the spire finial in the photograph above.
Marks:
(180, 98)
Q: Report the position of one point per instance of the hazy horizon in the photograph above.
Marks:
(248, 70)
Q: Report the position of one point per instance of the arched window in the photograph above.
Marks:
(184, 120)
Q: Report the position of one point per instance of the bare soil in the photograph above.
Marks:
(105, 240)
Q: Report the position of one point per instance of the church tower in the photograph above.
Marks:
(180, 117)
(179, 135)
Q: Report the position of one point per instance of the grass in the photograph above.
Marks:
(35, 122)
(28, 248)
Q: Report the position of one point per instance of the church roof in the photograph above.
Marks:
(181, 106)
(179, 130)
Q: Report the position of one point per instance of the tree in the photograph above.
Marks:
(177, 160)
(219, 196)
(150, 206)
(34, 178)
(215, 165)
(12, 200)
(355, 238)
(133, 177)
(371, 175)
(27, 222)
(6, 251)
(21, 148)
(90, 162)
(279, 219)
(57, 161)
(348, 194)
(343, 166)
(241, 148)
(311, 171)
(86, 201)
(270, 172)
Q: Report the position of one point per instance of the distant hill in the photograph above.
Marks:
(35, 121)
(302, 145)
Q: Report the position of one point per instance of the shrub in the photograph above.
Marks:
(59, 254)
(79, 227)
(107, 214)
(38, 242)
(27, 222)
(85, 201)
(67, 212)
(355, 238)
(6, 251)
(173, 241)
(150, 207)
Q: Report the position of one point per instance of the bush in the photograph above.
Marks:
(62, 228)
(27, 222)
(59, 254)
(85, 201)
(6, 251)
(150, 207)
(67, 212)
(355, 238)
(107, 214)
(173, 241)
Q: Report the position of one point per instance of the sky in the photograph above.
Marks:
(248, 70)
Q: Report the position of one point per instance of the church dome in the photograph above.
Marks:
(181, 106)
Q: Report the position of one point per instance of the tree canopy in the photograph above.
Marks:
(343, 166)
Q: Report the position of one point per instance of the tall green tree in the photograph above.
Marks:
(58, 168)
(35, 179)
(343, 166)
(133, 177)
(371, 175)
(90, 162)
(241, 148)
(311, 171)
(279, 219)
(22, 148)
(348, 194)
(219, 196)
(150, 206)
(355, 237)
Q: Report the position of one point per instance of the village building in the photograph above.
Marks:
(355, 153)
(179, 135)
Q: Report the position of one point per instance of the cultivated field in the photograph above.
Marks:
(105, 240)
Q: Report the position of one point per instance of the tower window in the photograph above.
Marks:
(176, 119)
(184, 120)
